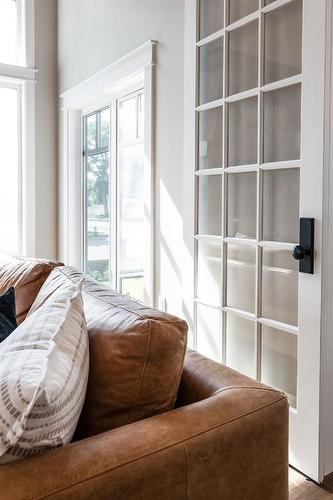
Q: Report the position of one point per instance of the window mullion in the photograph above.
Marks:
(113, 196)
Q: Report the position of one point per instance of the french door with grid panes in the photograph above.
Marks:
(259, 113)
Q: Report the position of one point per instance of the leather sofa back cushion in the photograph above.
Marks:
(27, 276)
(136, 355)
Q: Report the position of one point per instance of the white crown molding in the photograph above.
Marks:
(104, 80)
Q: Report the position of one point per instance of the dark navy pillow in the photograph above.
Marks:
(7, 313)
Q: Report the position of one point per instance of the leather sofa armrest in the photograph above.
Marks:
(232, 445)
(203, 378)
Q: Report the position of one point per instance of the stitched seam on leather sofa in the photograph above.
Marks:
(95, 296)
(175, 443)
(268, 389)
(30, 259)
(175, 322)
(142, 376)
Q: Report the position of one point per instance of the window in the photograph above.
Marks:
(96, 196)
(131, 196)
(107, 196)
(9, 168)
(16, 122)
(114, 246)
(11, 32)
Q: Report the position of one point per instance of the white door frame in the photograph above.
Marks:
(326, 372)
(315, 437)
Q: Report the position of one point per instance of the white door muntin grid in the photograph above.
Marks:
(304, 420)
(222, 172)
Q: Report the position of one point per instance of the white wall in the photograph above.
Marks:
(94, 33)
(46, 127)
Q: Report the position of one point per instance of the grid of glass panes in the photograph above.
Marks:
(96, 194)
(249, 59)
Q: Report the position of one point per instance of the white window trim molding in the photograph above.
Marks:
(105, 80)
(135, 69)
(24, 79)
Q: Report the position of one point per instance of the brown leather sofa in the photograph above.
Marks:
(225, 439)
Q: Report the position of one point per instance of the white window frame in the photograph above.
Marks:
(132, 72)
(18, 87)
(132, 90)
(85, 153)
(23, 79)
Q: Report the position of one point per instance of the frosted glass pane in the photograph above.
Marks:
(279, 361)
(241, 277)
(280, 286)
(283, 42)
(141, 116)
(133, 287)
(210, 205)
(210, 77)
(243, 58)
(242, 205)
(281, 205)
(210, 138)
(9, 53)
(209, 271)
(209, 332)
(131, 259)
(9, 171)
(104, 132)
(211, 16)
(242, 133)
(128, 120)
(241, 335)
(97, 216)
(241, 8)
(91, 132)
(282, 124)
(130, 194)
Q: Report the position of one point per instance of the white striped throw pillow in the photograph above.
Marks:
(44, 367)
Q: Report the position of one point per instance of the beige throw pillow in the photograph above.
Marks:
(43, 371)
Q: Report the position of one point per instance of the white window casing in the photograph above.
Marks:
(23, 77)
(130, 73)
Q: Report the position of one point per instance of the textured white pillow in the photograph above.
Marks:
(44, 367)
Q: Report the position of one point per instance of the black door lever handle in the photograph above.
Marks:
(298, 252)
(304, 252)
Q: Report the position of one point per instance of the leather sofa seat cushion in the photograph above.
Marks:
(136, 354)
(26, 275)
